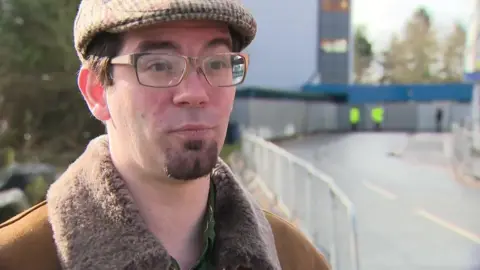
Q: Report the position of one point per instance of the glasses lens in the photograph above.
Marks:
(225, 69)
(160, 70)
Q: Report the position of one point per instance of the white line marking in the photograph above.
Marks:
(450, 226)
(384, 193)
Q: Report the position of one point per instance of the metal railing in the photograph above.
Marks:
(465, 156)
(309, 197)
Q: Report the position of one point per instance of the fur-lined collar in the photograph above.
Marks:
(96, 224)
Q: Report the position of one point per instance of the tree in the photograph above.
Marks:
(394, 62)
(452, 55)
(422, 47)
(40, 102)
(412, 57)
(363, 54)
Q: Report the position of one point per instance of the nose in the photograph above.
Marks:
(193, 91)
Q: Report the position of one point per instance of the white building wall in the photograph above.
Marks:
(283, 55)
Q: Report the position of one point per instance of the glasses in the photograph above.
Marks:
(168, 70)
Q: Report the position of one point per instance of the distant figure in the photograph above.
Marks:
(354, 118)
(438, 119)
(377, 117)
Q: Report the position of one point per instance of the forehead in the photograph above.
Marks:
(185, 34)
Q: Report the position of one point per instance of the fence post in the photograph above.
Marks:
(308, 204)
(354, 242)
(334, 251)
(293, 190)
(278, 185)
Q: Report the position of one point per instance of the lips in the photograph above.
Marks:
(189, 127)
(193, 131)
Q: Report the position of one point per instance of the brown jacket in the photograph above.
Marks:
(89, 221)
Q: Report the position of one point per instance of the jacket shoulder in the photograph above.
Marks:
(26, 241)
(294, 250)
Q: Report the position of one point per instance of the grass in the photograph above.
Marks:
(228, 149)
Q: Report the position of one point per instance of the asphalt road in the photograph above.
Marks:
(412, 213)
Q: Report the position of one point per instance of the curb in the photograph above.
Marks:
(298, 136)
(462, 177)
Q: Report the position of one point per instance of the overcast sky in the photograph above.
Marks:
(387, 16)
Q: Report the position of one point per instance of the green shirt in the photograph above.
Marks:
(205, 262)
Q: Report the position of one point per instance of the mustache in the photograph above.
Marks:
(188, 116)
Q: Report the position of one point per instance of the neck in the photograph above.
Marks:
(173, 210)
(170, 207)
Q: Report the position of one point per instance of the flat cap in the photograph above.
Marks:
(115, 16)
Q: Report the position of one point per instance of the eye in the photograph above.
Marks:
(157, 63)
(217, 64)
(159, 66)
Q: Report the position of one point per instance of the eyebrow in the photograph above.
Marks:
(219, 42)
(151, 45)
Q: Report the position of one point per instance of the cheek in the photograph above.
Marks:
(151, 105)
(133, 99)
(223, 100)
(138, 104)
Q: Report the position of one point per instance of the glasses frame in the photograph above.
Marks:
(191, 63)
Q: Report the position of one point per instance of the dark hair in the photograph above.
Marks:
(236, 41)
(103, 47)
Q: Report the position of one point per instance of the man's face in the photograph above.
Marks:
(176, 131)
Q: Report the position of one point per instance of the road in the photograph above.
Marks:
(412, 213)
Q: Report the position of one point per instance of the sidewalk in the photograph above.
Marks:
(437, 150)
(426, 149)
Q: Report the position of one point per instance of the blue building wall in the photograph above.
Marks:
(360, 94)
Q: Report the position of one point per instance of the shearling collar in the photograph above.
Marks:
(96, 224)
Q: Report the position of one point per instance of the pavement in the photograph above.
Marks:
(411, 212)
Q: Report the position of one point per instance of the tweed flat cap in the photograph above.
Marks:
(115, 16)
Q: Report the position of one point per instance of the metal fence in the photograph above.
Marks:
(310, 198)
(465, 154)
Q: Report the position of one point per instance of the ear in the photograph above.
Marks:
(94, 94)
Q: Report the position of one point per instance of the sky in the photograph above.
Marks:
(382, 18)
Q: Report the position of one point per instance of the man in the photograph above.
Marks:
(377, 117)
(354, 118)
(152, 194)
(438, 119)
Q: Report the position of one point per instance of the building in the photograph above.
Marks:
(296, 39)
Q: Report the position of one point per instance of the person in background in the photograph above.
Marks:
(354, 118)
(438, 119)
(377, 117)
(152, 193)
